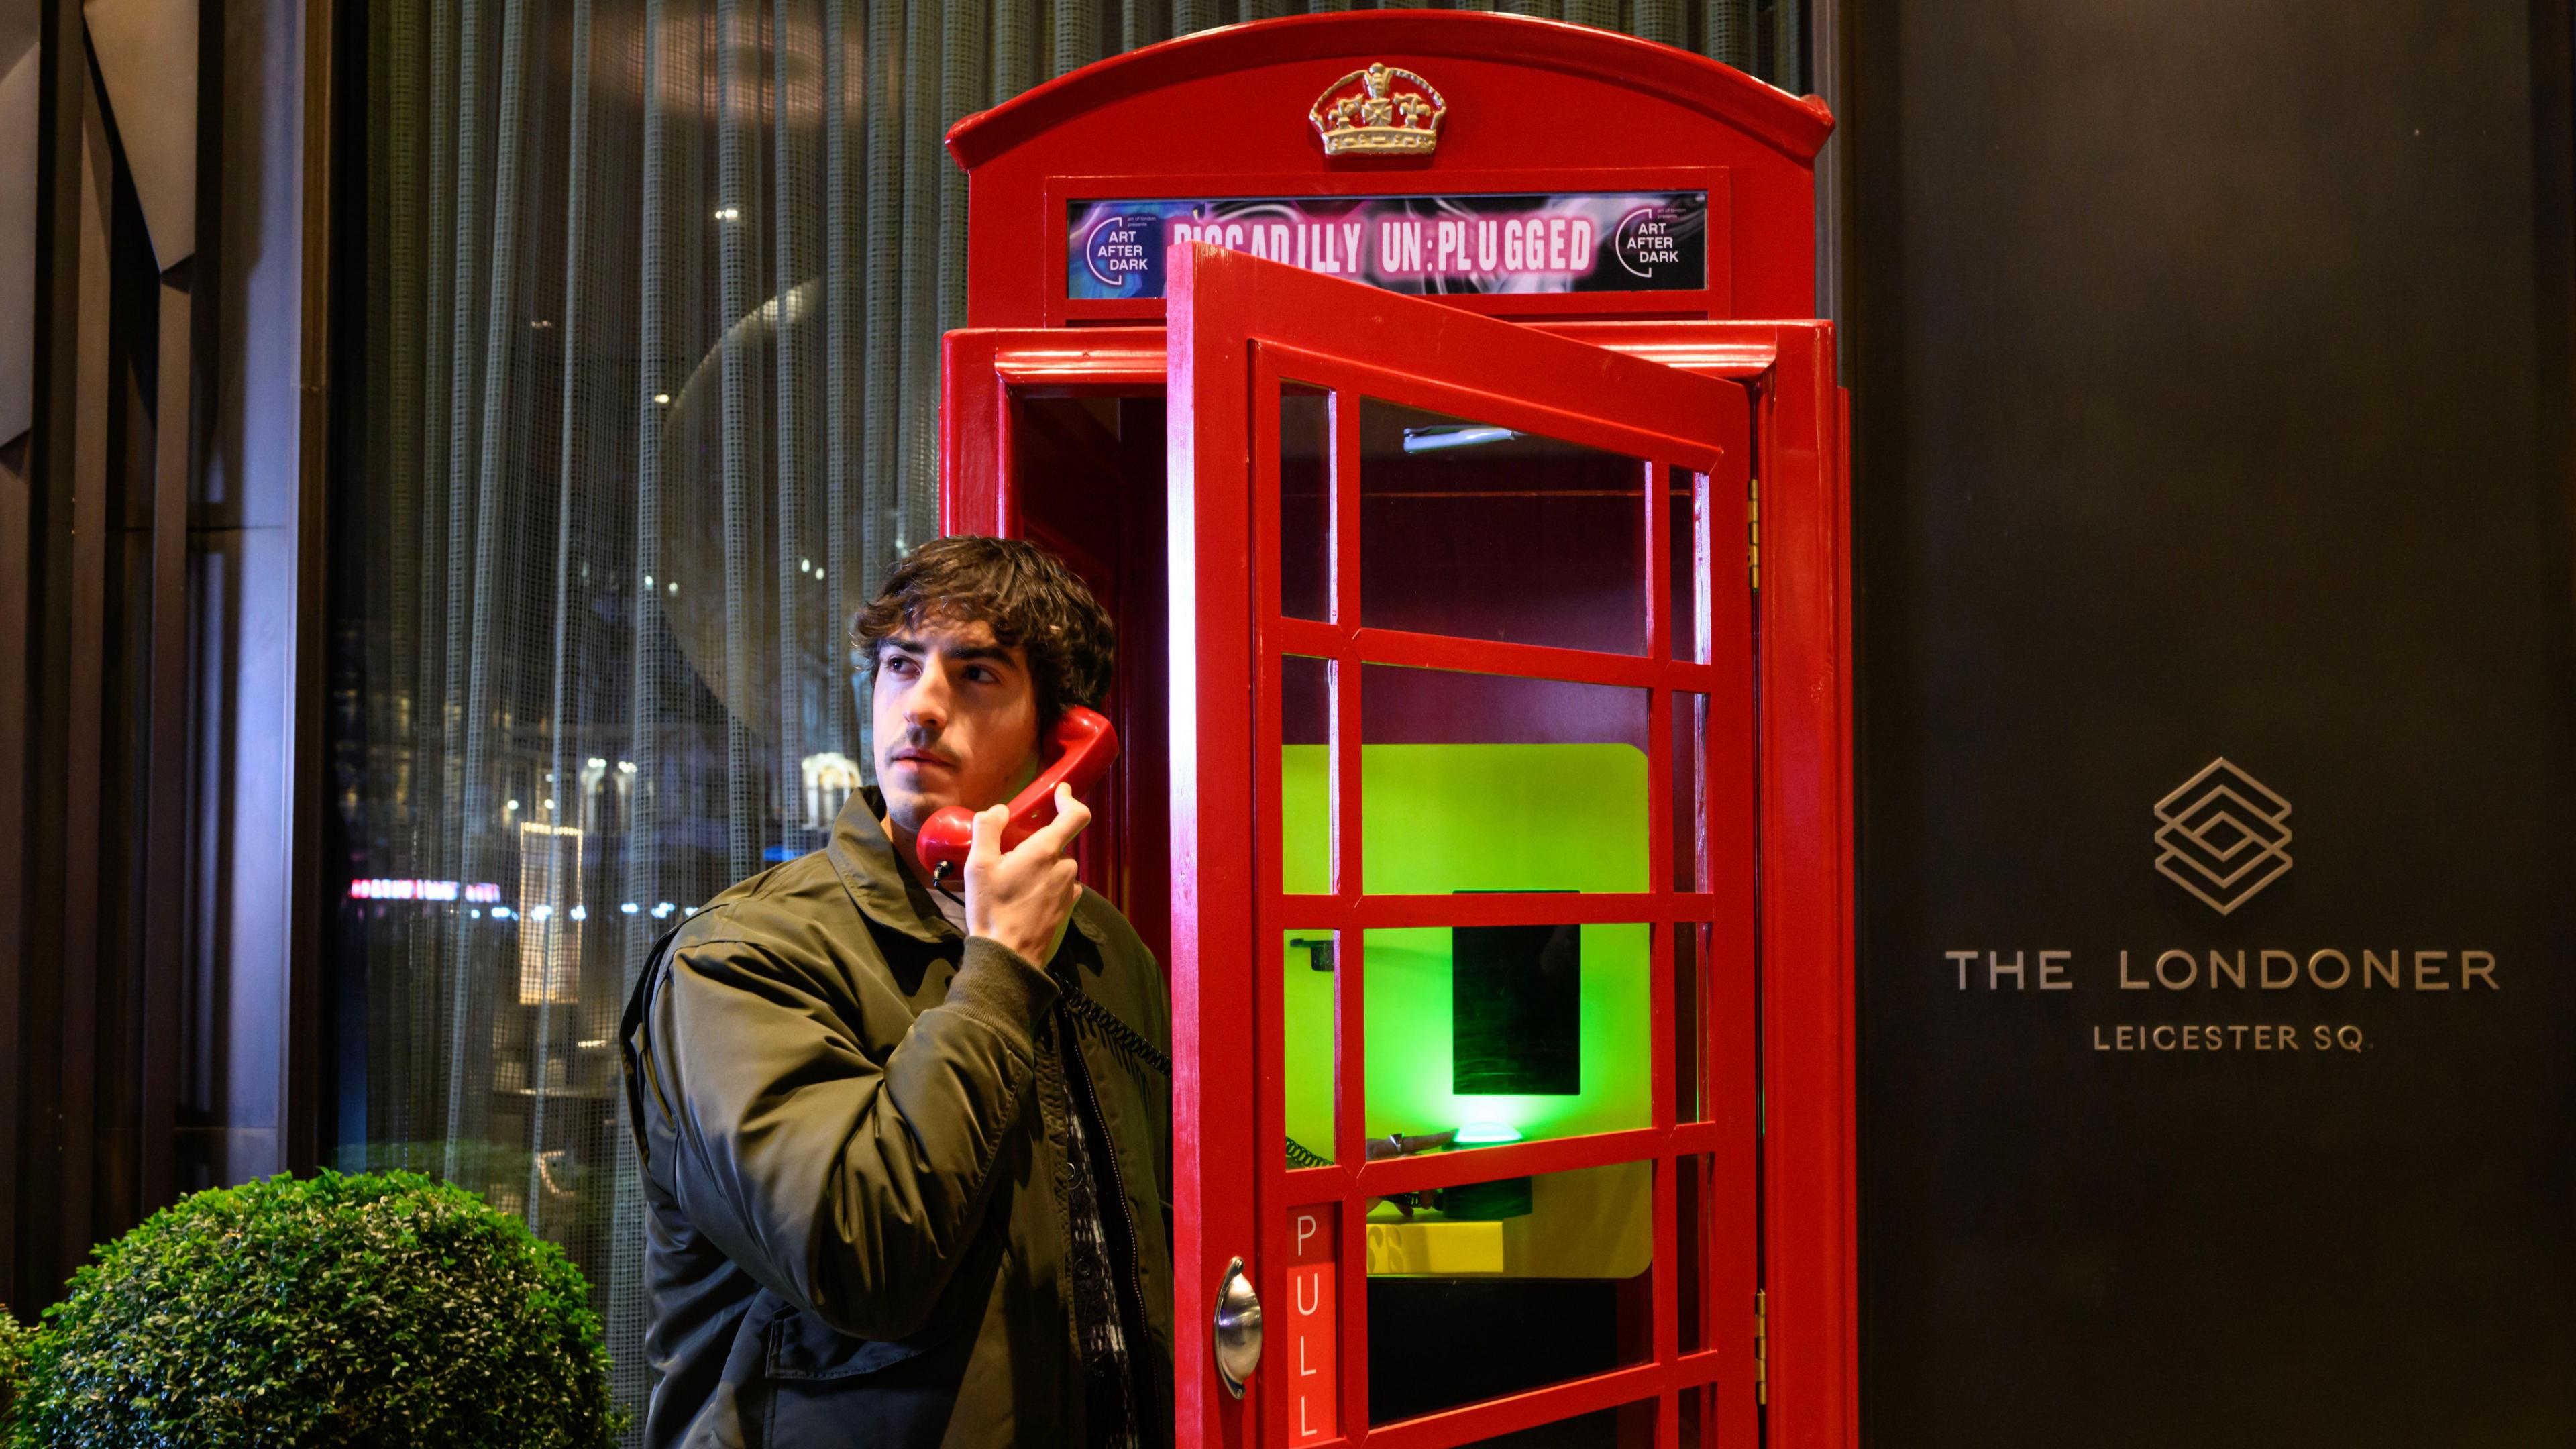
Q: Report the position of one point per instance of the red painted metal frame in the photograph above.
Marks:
(1804, 811)
(1536, 105)
(1796, 125)
(1521, 379)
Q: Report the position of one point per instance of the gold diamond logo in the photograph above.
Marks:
(2223, 836)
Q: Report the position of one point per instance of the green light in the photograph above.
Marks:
(1464, 817)
(1485, 1134)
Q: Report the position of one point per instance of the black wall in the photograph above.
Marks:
(2211, 389)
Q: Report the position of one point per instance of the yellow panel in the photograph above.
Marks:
(1598, 1222)
(1430, 1248)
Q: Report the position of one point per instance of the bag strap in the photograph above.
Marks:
(630, 1028)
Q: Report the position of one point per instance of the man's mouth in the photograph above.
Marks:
(922, 757)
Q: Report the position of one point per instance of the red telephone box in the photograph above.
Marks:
(1409, 385)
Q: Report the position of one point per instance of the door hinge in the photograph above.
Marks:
(1761, 1347)
(1753, 530)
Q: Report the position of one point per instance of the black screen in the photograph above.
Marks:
(1517, 1012)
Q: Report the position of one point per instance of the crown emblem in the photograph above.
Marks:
(1364, 114)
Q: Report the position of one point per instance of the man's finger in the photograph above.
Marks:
(988, 834)
(1070, 816)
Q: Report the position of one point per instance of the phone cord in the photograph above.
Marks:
(1131, 1043)
(1124, 1039)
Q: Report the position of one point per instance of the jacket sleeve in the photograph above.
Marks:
(848, 1186)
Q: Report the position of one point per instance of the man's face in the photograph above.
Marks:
(956, 720)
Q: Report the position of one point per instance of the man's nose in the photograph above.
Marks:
(925, 705)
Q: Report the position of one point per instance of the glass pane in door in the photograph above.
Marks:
(1305, 502)
(1490, 782)
(1305, 776)
(1310, 958)
(1487, 532)
(1602, 1429)
(1496, 1287)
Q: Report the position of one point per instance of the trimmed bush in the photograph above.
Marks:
(378, 1309)
(15, 1342)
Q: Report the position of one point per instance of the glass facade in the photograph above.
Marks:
(647, 298)
(637, 431)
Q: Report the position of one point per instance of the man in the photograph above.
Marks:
(907, 1156)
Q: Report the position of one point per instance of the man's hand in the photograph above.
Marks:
(1022, 898)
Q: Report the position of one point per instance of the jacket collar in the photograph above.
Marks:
(885, 887)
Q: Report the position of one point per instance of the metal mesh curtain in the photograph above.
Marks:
(654, 291)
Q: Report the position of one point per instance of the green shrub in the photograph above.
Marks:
(15, 1341)
(379, 1309)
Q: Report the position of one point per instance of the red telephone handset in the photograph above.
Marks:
(1079, 751)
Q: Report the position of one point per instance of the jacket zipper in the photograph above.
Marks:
(1118, 1184)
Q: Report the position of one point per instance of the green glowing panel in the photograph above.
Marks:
(1308, 1055)
(1446, 818)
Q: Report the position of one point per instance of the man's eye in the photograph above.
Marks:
(982, 675)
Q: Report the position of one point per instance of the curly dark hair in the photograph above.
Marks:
(1030, 598)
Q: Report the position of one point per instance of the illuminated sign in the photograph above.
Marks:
(374, 889)
(1525, 244)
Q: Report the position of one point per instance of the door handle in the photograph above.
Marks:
(1238, 1329)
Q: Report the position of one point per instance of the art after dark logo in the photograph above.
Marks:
(2223, 836)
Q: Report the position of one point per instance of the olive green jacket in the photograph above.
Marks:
(852, 1130)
